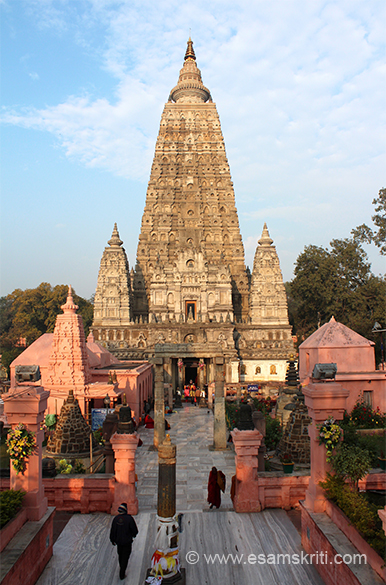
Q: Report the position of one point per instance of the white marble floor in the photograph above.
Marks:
(192, 431)
(83, 554)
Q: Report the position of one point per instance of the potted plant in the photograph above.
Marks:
(382, 461)
(288, 464)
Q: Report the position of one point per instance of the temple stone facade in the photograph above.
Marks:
(190, 296)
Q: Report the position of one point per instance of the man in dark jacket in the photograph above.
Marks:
(123, 530)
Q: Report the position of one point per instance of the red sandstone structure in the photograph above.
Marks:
(68, 362)
(355, 359)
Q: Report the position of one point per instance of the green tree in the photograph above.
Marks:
(363, 233)
(336, 282)
(352, 463)
(30, 313)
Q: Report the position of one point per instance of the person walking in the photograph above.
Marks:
(123, 530)
(216, 485)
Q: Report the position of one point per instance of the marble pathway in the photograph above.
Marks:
(83, 554)
(192, 431)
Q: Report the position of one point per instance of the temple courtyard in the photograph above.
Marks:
(83, 554)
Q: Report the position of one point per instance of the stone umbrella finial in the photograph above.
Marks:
(190, 51)
(69, 306)
(115, 240)
(265, 239)
(190, 87)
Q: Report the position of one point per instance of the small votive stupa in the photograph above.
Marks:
(72, 433)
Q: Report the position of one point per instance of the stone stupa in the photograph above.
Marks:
(72, 434)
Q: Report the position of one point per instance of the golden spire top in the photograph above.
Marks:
(190, 51)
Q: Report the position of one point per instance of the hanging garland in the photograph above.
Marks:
(329, 435)
(20, 445)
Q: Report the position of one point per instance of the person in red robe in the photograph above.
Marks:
(149, 422)
(216, 484)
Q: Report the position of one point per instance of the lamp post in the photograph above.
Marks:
(377, 328)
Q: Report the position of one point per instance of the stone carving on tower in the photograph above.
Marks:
(190, 229)
(113, 293)
(190, 296)
(268, 300)
(68, 363)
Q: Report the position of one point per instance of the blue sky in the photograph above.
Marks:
(299, 87)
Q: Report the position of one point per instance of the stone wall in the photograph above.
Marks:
(26, 555)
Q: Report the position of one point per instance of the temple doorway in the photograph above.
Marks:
(190, 374)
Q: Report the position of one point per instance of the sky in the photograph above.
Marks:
(300, 90)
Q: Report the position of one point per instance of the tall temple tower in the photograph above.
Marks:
(190, 292)
(190, 230)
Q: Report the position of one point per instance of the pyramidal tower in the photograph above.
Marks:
(113, 293)
(190, 229)
(268, 300)
(190, 296)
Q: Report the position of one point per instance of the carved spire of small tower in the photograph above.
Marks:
(268, 300)
(113, 293)
(115, 239)
(68, 364)
(265, 239)
(69, 306)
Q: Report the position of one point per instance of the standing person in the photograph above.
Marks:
(198, 395)
(192, 391)
(216, 485)
(123, 530)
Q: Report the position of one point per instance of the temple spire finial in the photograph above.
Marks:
(190, 51)
(265, 239)
(69, 306)
(115, 239)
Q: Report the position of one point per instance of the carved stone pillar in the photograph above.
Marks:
(110, 425)
(247, 443)
(165, 561)
(219, 431)
(166, 507)
(159, 402)
(180, 376)
(26, 405)
(124, 447)
(259, 424)
(323, 400)
(170, 396)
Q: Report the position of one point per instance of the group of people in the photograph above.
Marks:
(193, 393)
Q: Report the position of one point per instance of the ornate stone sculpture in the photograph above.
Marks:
(190, 284)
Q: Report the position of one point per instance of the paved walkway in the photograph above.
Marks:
(192, 431)
(83, 554)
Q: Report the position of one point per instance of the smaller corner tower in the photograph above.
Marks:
(112, 304)
(268, 300)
